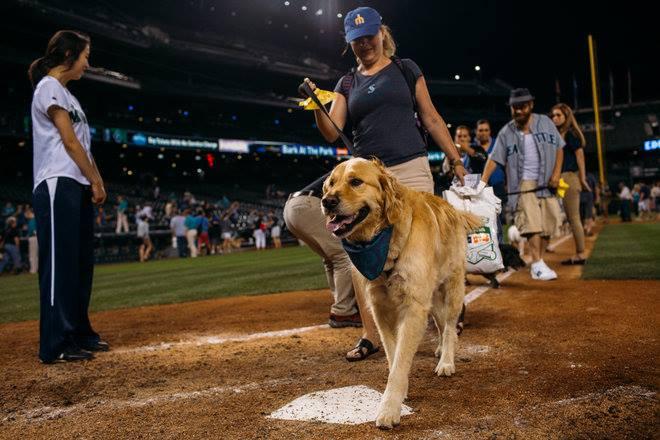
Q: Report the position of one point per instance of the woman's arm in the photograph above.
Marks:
(556, 172)
(579, 156)
(337, 112)
(61, 120)
(436, 126)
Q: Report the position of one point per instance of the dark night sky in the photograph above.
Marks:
(524, 43)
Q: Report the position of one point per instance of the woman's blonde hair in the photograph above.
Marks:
(389, 45)
(570, 124)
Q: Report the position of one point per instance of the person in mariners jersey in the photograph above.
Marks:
(387, 102)
(66, 184)
(530, 148)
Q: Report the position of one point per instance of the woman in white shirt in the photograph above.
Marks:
(66, 185)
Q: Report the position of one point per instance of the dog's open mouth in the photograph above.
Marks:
(341, 225)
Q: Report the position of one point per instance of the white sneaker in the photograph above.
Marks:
(541, 271)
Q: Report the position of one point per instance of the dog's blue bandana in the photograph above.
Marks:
(369, 257)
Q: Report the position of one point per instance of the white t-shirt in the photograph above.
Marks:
(50, 156)
(532, 160)
(275, 231)
(142, 228)
(625, 194)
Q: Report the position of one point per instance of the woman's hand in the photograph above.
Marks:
(554, 181)
(98, 193)
(585, 185)
(460, 172)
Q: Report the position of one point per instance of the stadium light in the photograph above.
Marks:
(457, 77)
(286, 3)
(304, 8)
(339, 15)
(319, 12)
(477, 68)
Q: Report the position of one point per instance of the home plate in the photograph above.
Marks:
(347, 406)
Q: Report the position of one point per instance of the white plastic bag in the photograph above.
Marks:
(483, 251)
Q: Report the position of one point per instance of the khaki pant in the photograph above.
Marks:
(536, 215)
(33, 253)
(415, 174)
(191, 236)
(572, 208)
(122, 223)
(305, 220)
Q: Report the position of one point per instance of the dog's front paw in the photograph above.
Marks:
(445, 369)
(389, 416)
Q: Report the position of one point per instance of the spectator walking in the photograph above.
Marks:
(144, 240)
(178, 228)
(305, 220)
(574, 174)
(122, 215)
(387, 102)
(259, 236)
(531, 150)
(203, 240)
(33, 244)
(226, 228)
(626, 199)
(191, 223)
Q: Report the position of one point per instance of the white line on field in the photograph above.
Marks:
(215, 340)
(49, 412)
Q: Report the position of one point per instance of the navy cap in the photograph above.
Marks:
(519, 96)
(361, 22)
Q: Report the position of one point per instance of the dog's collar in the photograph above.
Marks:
(369, 257)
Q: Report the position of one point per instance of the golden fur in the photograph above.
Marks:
(424, 272)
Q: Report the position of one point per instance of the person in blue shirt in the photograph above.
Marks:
(484, 138)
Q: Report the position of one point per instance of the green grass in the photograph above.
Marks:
(626, 251)
(178, 280)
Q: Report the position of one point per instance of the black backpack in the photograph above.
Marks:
(411, 80)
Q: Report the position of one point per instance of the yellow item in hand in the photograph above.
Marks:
(324, 96)
(561, 188)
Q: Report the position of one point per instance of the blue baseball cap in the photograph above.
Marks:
(361, 22)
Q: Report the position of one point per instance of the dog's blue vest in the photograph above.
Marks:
(369, 257)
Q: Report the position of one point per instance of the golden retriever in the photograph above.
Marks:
(424, 271)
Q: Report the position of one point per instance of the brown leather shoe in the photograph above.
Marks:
(337, 321)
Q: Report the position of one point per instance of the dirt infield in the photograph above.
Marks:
(562, 359)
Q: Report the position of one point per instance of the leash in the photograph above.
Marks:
(540, 188)
(305, 90)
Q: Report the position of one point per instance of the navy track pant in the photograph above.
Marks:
(65, 227)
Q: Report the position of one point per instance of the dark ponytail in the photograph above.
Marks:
(64, 48)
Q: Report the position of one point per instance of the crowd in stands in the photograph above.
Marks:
(202, 226)
(190, 225)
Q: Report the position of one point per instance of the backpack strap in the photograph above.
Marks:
(409, 75)
(411, 80)
(347, 83)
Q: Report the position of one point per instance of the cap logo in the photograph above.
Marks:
(359, 20)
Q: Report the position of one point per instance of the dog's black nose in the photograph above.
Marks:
(330, 202)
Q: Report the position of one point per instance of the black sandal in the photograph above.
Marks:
(362, 355)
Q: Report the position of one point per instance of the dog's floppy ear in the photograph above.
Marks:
(391, 188)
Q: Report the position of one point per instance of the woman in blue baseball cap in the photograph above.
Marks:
(387, 102)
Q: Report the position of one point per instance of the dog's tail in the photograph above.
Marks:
(470, 221)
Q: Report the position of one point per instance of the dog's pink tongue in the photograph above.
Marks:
(332, 226)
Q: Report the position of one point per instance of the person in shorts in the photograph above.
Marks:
(531, 149)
